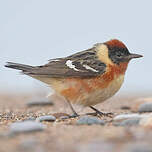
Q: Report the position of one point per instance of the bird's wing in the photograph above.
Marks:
(82, 64)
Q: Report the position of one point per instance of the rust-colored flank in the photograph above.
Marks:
(115, 43)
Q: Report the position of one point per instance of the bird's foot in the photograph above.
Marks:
(97, 112)
(108, 114)
(100, 114)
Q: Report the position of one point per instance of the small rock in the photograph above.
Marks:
(138, 102)
(46, 118)
(146, 107)
(26, 126)
(89, 120)
(128, 122)
(125, 107)
(40, 102)
(129, 116)
(64, 117)
(30, 119)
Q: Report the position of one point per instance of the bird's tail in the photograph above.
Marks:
(23, 67)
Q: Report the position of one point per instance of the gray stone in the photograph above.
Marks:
(30, 119)
(26, 126)
(146, 107)
(90, 120)
(128, 122)
(64, 117)
(46, 118)
(125, 107)
(127, 116)
(40, 102)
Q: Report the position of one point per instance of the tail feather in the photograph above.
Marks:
(18, 66)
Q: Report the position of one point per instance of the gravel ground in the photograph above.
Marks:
(45, 128)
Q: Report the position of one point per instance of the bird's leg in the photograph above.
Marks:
(100, 113)
(74, 112)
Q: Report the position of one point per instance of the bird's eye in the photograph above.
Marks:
(118, 54)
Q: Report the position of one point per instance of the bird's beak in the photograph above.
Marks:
(132, 56)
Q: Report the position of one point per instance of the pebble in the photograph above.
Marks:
(40, 102)
(26, 126)
(128, 122)
(64, 117)
(139, 101)
(145, 107)
(30, 119)
(129, 116)
(125, 107)
(90, 120)
(46, 118)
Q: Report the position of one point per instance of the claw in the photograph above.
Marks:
(97, 112)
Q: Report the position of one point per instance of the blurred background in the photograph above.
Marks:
(33, 31)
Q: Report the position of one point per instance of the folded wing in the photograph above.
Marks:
(82, 64)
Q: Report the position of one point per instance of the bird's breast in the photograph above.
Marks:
(101, 94)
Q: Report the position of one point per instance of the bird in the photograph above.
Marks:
(85, 78)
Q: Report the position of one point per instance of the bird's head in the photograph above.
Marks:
(118, 52)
